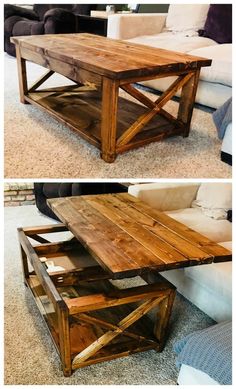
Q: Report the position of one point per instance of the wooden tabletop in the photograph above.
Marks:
(110, 57)
(127, 237)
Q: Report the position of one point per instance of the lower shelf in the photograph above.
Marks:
(80, 110)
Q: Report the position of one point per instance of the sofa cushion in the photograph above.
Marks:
(186, 17)
(217, 277)
(217, 230)
(221, 68)
(214, 199)
(174, 41)
(218, 24)
(170, 196)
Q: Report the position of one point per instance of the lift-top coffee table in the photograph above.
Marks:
(77, 283)
(100, 66)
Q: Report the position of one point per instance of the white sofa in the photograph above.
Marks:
(177, 31)
(203, 208)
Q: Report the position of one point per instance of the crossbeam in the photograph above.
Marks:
(158, 104)
(105, 324)
(39, 239)
(134, 92)
(110, 335)
(41, 80)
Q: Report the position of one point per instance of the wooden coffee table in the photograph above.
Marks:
(99, 66)
(90, 315)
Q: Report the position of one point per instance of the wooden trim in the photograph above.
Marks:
(124, 296)
(49, 228)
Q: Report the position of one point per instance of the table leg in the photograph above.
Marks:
(64, 339)
(22, 76)
(163, 318)
(187, 100)
(24, 265)
(110, 89)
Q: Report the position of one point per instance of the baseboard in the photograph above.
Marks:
(227, 158)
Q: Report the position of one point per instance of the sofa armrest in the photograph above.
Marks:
(59, 21)
(166, 196)
(14, 10)
(127, 26)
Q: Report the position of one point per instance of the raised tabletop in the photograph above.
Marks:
(127, 237)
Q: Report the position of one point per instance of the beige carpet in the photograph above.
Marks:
(30, 357)
(37, 146)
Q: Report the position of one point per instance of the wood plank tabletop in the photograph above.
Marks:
(109, 57)
(127, 237)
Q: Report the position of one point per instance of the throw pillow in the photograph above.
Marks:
(186, 17)
(214, 199)
(218, 24)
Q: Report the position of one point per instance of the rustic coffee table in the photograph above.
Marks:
(99, 66)
(91, 316)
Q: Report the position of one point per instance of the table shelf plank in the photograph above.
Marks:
(80, 109)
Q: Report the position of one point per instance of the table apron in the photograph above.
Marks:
(70, 71)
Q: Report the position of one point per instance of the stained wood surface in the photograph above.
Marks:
(127, 237)
(80, 109)
(109, 57)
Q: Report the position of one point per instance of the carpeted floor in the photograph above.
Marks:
(37, 146)
(30, 358)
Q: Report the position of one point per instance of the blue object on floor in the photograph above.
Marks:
(208, 350)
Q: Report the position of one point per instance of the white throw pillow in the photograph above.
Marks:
(186, 17)
(215, 199)
(220, 70)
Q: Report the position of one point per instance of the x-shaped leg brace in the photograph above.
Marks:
(114, 331)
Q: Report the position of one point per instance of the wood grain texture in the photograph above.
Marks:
(128, 237)
(112, 333)
(109, 57)
(93, 118)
